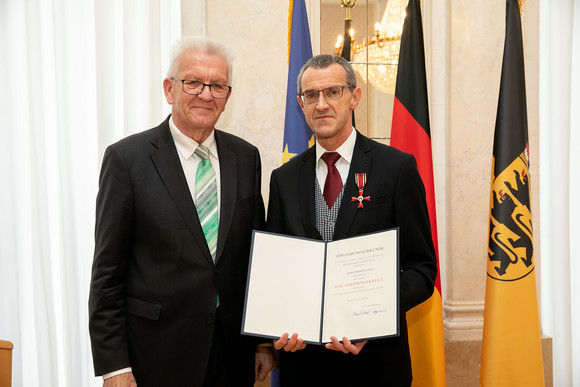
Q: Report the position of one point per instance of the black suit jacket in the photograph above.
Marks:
(154, 285)
(397, 199)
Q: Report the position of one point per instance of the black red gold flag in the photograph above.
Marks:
(411, 133)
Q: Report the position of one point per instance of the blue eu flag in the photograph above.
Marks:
(297, 135)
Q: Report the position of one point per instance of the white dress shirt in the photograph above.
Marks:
(343, 164)
(186, 147)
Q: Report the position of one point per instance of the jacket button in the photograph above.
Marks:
(209, 321)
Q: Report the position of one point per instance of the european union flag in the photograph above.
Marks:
(297, 135)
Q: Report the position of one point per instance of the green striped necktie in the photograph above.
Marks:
(206, 199)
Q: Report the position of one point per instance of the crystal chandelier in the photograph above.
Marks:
(379, 54)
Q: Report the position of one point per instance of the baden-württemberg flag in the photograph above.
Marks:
(512, 352)
(297, 135)
(410, 133)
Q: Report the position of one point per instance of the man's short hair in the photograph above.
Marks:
(323, 61)
(199, 44)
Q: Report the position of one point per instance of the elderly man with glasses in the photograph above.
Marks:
(175, 211)
(317, 195)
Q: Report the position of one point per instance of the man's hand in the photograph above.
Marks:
(346, 346)
(122, 380)
(289, 344)
(265, 362)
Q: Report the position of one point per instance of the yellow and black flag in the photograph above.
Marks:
(512, 353)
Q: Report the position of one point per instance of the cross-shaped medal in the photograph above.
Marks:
(360, 180)
(360, 198)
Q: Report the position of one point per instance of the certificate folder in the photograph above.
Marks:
(345, 288)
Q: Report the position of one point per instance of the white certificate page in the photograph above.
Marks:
(361, 288)
(285, 287)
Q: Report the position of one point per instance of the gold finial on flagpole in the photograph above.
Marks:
(347, 4)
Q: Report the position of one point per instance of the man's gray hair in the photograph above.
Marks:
(323, 61)
(199, 44)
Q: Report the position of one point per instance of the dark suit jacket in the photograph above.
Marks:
(154, 285)
(397, 199)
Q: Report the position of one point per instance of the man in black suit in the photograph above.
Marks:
(167, 287)
(310, 196)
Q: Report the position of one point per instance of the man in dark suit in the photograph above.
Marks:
(312, 196)
(175, 211)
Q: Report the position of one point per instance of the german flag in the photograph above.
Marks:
(411, 133)
(512, 352)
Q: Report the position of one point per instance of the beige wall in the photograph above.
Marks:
(464, 43)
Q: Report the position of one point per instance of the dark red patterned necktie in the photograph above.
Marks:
(333, 184)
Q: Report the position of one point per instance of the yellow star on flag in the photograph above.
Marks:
(286, 155)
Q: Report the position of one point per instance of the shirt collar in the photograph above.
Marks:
(186, 146)
(345, 150)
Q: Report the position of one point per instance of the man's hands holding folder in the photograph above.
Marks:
(294, 343)
(289, 344)
(346, 346)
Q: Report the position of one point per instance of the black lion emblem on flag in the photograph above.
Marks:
(511, 250)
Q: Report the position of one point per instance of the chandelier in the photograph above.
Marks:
(378, 54)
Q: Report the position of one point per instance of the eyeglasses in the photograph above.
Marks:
(196, 88)
(330, 93)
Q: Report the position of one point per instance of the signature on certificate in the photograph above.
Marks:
(369, 311)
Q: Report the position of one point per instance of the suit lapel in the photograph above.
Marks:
(166, 161)
(228, 191)
(307, 185)
(360, 163)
